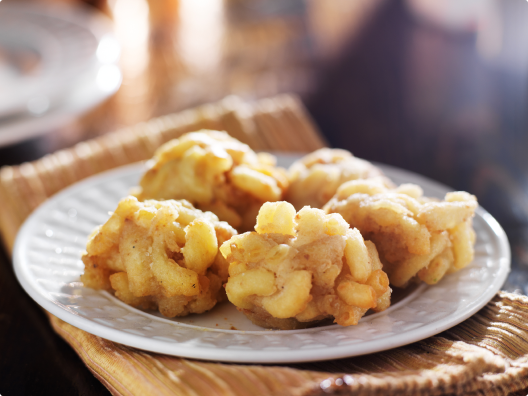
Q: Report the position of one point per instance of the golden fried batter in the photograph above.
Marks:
(298, 269)
(215, 172)
(159, 255)
(415, 236)
(314, 179)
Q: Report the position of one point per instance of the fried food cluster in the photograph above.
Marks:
(159, 255)
(217, 173)
(314, 179)
(300, 268)
(158, 251)
(417, 238)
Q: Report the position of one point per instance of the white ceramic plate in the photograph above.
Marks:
(47, 264)
(73, 53)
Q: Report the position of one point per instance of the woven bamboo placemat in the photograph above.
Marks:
(485, 355)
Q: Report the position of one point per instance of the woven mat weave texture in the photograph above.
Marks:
(485, 355)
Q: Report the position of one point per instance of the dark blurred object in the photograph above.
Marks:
(434, 99)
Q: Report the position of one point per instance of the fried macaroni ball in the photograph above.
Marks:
(159, 255)
(298, 269)
(217, 173)
(314, 179)
(417, 238)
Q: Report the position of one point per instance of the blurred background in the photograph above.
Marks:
(437, 87)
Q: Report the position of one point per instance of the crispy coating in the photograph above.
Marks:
(300, 268)
(159, 255)
(215, 172)
(314, 179)
(418, 238)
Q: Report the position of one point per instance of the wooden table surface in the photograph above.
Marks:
(379, 80)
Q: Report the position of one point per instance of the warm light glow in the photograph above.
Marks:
(131, 23)
(201, 33)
